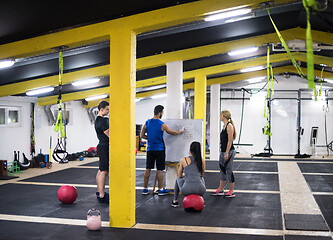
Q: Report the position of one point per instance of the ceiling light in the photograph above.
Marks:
(85, 82)
(39, 91)
(138, 99)
(96, 97)
(329, 80)
(158, 96)
(243, 51)
(7, 63)
(255, 80)
(230, 20)
(228, 14)
(251, 69)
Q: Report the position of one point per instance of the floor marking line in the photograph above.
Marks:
(180, 228)
(226, 230)
(322, 174)
(35, 219)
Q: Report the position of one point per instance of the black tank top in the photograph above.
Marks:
(224, 140)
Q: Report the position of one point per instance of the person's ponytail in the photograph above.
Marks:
(232, 123)
(195, 149)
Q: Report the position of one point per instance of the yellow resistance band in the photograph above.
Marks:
(59, 124)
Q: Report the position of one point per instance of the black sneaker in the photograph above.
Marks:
(104, 199)
(174, 204)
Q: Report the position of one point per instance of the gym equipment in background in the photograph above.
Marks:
(92, 152)
(59, 152)
(3, 167)
(193, 203)
(67, 194)
(313, 140)
(94, 221)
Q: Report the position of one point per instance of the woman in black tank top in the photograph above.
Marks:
(227, 154)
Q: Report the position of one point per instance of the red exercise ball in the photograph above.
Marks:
(67, 194)
(193, 203)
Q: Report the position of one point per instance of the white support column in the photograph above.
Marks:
(174, 107)
(214, 121)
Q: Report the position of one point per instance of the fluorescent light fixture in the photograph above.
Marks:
(255, 80)
(6, 63)
(39, 91)
(243, 51)
(329, 80)
(158, 96)
(96, 97)
(251, 69)
(85, 82)
(138, 99)
(236, 19)
(228, 14)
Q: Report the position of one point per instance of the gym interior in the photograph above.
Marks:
(268, 62)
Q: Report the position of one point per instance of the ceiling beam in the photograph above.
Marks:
(139, 23)
(22, 87)
(161, 59)
(222, 80)
(224, 47)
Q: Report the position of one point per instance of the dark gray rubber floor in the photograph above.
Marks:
(34, 231)
(293, 237)
(320, 183)
(316, 167)
(246, 210)
(244, 181)
(325, 204)
(214, 165)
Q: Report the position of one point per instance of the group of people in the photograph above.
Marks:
(190, 179)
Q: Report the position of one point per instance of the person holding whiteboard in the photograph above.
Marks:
(190, 174)
(227, 155)
(153, 130)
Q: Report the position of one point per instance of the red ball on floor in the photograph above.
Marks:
(67, 194)
(193, 203)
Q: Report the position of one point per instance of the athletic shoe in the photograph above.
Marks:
(174, 204)
(229, 194)
(217, 192)
(163, 191)
(105, 194)
(145, 191)
(104, 199)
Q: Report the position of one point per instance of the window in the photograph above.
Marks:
(64, 115)
(10, 116)
(2, 116)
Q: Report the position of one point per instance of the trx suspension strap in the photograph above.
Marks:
(309, 49)
(298, 68)
(32, 131)
(60, 153)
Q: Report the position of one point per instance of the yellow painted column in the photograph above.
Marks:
(200, 85)
(122, 127)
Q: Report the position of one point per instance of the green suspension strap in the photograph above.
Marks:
(298, 68)
(309, 49)
(59, 126)
(321, 80)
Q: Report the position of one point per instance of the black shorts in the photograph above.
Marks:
(159, 156)
(103, 154)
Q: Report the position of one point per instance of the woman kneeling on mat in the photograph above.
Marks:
(190, 174)
(227, 155)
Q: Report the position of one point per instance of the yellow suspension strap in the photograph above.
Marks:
(309, 49)
(298, 68)
(267, 129)
(321, 81)
(59, 126)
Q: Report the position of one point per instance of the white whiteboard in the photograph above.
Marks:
(177, 147)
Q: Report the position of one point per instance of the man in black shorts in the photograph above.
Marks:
(102, 130)
(153, 131)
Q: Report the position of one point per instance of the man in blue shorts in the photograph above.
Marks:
(153, 130)
(102, 130)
